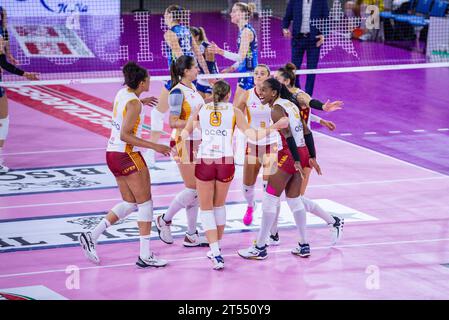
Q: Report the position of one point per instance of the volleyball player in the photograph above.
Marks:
(183, 100)
(5, 55)
(246, 60)
(203, 86)
(129, 167)
(286, 75)
(179, 41)
(262, 153)
(215, 169)
(298, 151)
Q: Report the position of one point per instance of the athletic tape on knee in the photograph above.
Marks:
(145, 211)
(270, 203)
(208, 220)
(295, 204)
(157, 120)
(220, 215)
(123, 209)
(4, 128)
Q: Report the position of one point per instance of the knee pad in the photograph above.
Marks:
(208, 220)
(187, 197)
(295, 204)
(157, 120)
(145, 211)
(220, 215)
(123, 209)
(4, 128)
(270, 203)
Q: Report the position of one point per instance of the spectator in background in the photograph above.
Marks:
(305, 39)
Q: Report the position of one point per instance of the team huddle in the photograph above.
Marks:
(270, 118)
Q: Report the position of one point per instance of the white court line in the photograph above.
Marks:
(230, 191)
(379, 154)
(53, 151)
(419, 130)
(394, 132)
(203, 257)
(370, 132)
(346, 134)
(443, 129)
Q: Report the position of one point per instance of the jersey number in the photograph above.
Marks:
(215, 119)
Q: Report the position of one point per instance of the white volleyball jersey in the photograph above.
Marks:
(307, 113)
(259, 116)
(192, 101)
(294, 120)
(122, 98)
(217, 126)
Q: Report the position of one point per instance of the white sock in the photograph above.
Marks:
(215, 248)
(1, 156)
(274, 227)
(269, 205)
(100, 228)
(314, 208)
(192, 217)
(301, 221)
(248, 193)
(182, 199)
(145, 247)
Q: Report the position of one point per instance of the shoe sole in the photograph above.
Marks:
(220, 267)
(301, 255)
(192, 245)
(253, 258)
(140, 266)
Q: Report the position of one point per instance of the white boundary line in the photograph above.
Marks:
(230, 191)
(53, 151)
(203, 257)
(236, 75)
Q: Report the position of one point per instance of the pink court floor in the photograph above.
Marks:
(395, 243)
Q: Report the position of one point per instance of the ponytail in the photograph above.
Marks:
(219, 92)
(178, 68)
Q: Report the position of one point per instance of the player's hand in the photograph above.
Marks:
(286, 33)
(320, 40)
(299, 168)
(31, 76)
(333, 106)
(13, 60)
(228, 70)
(215, 49)
(314, 164)
(328, 124)
(163, 149)
(149, 101)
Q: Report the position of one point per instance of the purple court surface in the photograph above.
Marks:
(385, 169)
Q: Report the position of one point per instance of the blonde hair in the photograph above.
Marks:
(248, 8)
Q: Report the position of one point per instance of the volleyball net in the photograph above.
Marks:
(89, 41)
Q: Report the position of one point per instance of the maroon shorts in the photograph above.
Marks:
(184, 156)
(123, 164)
(222, 169)
(286, 162)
